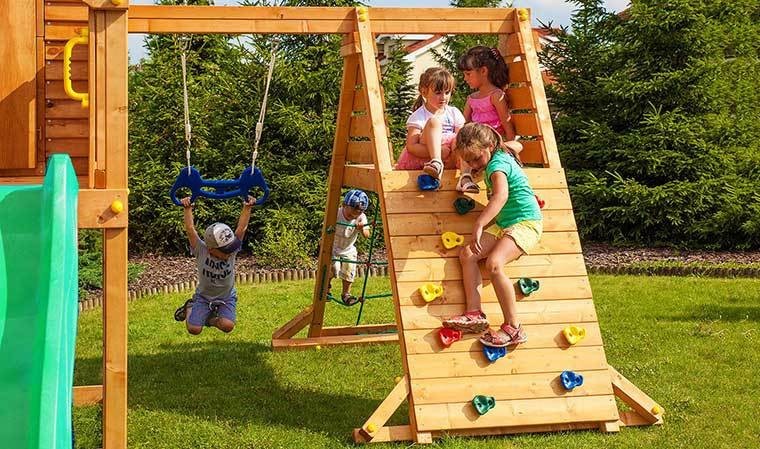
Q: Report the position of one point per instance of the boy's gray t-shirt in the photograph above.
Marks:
(216, 277)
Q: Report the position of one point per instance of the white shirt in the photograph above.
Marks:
(451, 119)
(345, 236)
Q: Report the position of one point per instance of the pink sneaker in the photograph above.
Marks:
(472, 323)
(506, 335)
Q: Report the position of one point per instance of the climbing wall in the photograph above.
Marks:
(526, 382)
(524, 386)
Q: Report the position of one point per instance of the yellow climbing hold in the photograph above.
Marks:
(363, 13)
(451, 239)
(371, 427)
(397, 379)
(523, 14)
(117, 206)
(574, 334)
(431, 291)
(656, 409)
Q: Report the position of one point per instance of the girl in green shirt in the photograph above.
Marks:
(516, 228)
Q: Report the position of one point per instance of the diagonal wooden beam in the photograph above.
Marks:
(383, 412)
(650, 411)
(293, 326)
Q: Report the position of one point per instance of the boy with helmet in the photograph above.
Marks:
(351, 221)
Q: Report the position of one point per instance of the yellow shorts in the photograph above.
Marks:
(526, 234)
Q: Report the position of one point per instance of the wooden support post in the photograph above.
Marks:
(108, 35)
(525, 31)
(335, 183)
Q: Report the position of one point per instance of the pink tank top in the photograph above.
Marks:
(483, 111)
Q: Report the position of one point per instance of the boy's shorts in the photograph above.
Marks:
(526, 234)
(345, 270)
(202, 308)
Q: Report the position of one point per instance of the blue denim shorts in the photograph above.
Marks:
(202, 308)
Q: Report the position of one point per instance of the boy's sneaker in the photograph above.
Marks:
(181, 313)
(473, 323)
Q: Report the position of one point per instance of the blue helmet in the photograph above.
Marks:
(356, 198)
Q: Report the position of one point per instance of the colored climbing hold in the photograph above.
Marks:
(493, 353)
(451, 239)
(427, 182)
(397, 379)
(528, 285)
(523, 14)
(371, 427)
(117, 206)
(464, 205)
(571, 379)
(541, 203)
(483, 403)
(431, 292)
(574, 334)
(656, 409)
(449, 336)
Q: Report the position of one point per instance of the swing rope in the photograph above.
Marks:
(186, 103)
(263, 111)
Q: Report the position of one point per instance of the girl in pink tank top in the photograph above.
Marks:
(485, 72)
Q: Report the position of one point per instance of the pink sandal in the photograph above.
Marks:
(473, 324)
(466, 184)
(506, 335)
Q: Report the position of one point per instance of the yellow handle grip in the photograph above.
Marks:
(83, 39)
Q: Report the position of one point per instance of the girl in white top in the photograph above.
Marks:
(432, 127)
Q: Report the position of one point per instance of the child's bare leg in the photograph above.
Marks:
(431, 137)
(503, 252)
(223, 324)
(346, 287)
(471, 278)
(195, 330)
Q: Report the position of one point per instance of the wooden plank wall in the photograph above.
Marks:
(18, 51)
(62, 123)
(66, 122)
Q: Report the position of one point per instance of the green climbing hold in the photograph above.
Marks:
(528, 285)
(464, 205)
(483, 403)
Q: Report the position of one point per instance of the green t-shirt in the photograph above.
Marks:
(521, 204)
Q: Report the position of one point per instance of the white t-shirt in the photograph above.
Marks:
(345, 236)
(451, 119)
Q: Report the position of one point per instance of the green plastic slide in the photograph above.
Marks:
(38, 309)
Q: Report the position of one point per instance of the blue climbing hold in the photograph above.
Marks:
(571, 379)
(493, 354)
(427, 182)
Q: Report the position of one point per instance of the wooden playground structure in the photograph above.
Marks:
(38, 117)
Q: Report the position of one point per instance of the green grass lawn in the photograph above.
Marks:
(690, 343)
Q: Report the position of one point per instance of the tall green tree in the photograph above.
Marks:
(659, 119)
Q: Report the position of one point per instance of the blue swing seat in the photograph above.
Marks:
(223, 189)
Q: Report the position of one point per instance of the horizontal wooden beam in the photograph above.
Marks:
(95, 208)
(306, 343)
(360, 176)
(311, 20)
(88, 395)
(359, 330)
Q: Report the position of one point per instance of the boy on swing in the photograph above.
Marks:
(215, 300)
